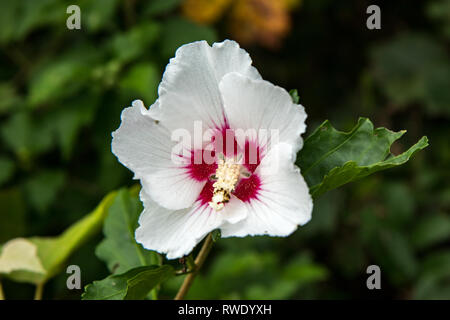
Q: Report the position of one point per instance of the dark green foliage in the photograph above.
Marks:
(62, 92)
(134, 284)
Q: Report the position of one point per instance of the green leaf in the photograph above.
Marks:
(119, 249)
(19, 260)
(294, 96)
(26, 136)
(227, 271)
(331, 158)
(156, 7)
(12, 214)
(8, 15)
(6, 169)
(437, 263)
(177, 32)
(98, 15)
(51, 252)
(433, 281)
(19, 18)
(399, 203)
(398, 256)
(70, 119)
(130, 45)
(436, 84)
(142, 79)
(296, 274)
(10, 99)
(59, 78)
(43, 188)
(439, 12)
(400, 65)
(431, 230)
(131, 285)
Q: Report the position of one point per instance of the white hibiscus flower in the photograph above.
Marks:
(185, 200)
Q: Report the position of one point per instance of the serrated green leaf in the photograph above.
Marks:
(331, 158)
(119, 250)
(134, 284)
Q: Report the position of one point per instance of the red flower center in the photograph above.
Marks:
(203, 165)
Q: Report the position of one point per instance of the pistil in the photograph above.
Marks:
(227, 175)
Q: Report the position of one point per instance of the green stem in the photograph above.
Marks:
(2, 295)
(155, 291)
(201, 257)
(39, 291)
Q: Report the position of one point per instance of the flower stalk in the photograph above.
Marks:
(199, 260)
(39, 291)
(2, 295)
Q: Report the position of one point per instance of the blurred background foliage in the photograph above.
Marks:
(62, 92)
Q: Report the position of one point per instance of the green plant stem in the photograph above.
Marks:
(2, 295)
(199, 260)
(39, 291)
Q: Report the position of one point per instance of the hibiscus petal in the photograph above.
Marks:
(172, 188)
(189, 89)
(177, 232)
(234, 211)
(283, 201)
(145, 147)
(258, 104)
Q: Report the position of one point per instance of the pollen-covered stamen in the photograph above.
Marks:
(227, 175)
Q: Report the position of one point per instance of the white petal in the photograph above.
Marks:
(145, 147)
(283, 201)
(172, 188)
(234, 211)
(189, 89)
(174, 233)
(258, 104)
